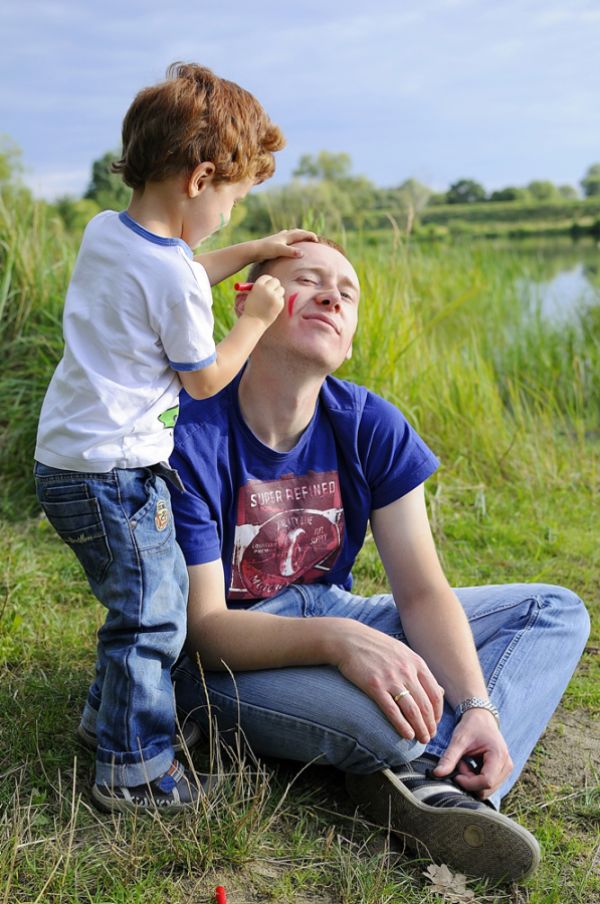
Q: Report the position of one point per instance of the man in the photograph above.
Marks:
(430, 700)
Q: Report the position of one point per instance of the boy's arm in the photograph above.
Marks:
(226, 261)
(262, 306)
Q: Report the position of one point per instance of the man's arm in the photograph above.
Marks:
(242, 640)
(237, 639)
(437, 628)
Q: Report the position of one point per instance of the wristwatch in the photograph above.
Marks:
(476, 703)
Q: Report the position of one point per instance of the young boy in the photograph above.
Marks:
(137, 325)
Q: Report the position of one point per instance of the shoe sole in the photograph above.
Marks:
(88, 740)
(480, 843)
(119, 805)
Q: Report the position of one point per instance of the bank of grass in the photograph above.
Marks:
(511, 405)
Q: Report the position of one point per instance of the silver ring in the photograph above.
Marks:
(402, 694)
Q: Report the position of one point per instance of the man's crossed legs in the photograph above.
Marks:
(529, 638)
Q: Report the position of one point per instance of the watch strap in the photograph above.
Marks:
(476, 703)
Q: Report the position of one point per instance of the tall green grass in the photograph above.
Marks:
(443, 333)
(36, 258)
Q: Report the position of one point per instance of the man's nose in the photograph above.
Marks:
(329, 298)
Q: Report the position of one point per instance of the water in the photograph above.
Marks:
(562, 281)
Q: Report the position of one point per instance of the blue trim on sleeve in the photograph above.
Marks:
(176, 365)
(126, 220)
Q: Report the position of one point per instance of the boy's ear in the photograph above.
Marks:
(201, 176)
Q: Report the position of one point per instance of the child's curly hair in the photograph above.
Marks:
(194, 117)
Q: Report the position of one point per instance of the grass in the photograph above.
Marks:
(510, 403)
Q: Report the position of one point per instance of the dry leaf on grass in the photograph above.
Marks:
(451, 886)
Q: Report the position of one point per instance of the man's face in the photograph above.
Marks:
(320, 315)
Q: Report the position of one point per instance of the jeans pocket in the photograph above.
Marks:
(65, 492)
(152, 522)
(79, 523)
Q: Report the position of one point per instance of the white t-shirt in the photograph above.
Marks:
(138, 308)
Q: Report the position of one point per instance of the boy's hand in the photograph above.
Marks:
(281, 244)
(265, 300)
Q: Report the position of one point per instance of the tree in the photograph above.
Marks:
(465, 191)
(105, 188)
(568, 192)
(327, 166)
(543, 190)
(319, 205)
(412, 193)
(591, 181)
(75, 212)
(510, 193)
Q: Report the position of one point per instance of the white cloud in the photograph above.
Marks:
(51, 184)
(399, 85)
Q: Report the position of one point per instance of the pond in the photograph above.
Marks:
(563, 280)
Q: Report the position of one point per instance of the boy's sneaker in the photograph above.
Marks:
(444, 822)
(186, 738)
(172, 792)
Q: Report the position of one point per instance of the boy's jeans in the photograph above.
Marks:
(529, 638)
(120, 526)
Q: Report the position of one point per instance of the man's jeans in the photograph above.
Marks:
(120, 527)
(529, 639)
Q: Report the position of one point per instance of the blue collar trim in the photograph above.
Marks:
(151, 236)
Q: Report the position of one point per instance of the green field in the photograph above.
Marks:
(511, 404)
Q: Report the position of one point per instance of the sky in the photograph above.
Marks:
(437, 90)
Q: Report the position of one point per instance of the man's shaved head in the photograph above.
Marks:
(261, 267)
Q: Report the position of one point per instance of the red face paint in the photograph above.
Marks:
(220, 896)
(243, 286)
(291, 301)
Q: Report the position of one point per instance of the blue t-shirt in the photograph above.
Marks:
(276, 518)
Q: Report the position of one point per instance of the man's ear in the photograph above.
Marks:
(201, 176)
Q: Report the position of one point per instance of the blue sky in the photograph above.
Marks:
(503, 92)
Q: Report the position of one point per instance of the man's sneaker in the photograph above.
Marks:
(446, 823)
(186, 738)
(172, 792)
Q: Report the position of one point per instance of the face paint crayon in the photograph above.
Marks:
(243, 286)
(291, 301)
(220, 896)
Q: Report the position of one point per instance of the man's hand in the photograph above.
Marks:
(383, 668)
(477, 734)
(265, 300)
(281, 244)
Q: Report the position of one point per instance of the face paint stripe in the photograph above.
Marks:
(291, 301)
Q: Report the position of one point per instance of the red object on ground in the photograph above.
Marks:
(243, 286)
(220, 896)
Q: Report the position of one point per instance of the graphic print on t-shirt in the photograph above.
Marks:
(287, 531)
